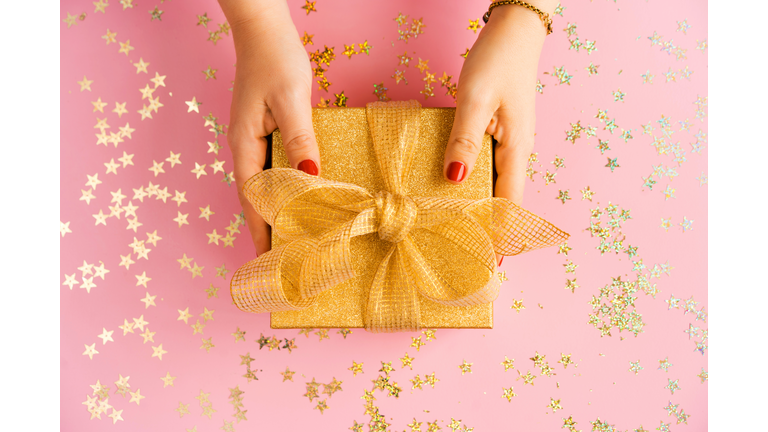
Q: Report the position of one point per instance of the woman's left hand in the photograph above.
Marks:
(496, 94)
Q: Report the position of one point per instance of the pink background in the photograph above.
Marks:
(600, 386)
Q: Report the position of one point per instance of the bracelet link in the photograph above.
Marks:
(545, 18)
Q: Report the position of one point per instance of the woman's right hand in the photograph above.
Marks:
(272, 89)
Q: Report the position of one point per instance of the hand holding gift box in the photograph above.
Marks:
(427, 259)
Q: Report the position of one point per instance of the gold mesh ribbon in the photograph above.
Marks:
(318, 217)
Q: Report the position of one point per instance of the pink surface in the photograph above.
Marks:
(554, 321)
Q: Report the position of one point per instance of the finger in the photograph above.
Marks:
(293, 115)
(473, 114)
(249, 155)
(511, 160)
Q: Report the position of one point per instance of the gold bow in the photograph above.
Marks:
(318, 217)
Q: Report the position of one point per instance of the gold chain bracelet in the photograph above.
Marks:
(543, 15)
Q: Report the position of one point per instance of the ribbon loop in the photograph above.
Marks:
(397, 215)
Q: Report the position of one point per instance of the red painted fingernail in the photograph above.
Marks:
(456, 171)
(308, 166)
(501, 260)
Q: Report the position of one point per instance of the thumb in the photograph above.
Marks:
(293, 116)
(472, 118)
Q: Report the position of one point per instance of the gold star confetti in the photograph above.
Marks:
(149, 300)
(431, 380)
(203, 20)
(549, 177)
(167, 380)
(207, 344)
(554, 404)
(207, 314)
(125, 47)
(197, 327)
(502, 276)
(126, 327)
(64, 228)
(703, 375)
(70, 20)
(196, 270)
(307, 39)
(417, 343)
(203, 397)
(182, 409)
(323, 84)
(90, 350)
(404, 59)
(356, 368)
(563, 196)
(85, 84)
(508, 363)
(508, 393)
(686, 224)
(618, 95)
(612, 164)
(115, 416)
(212, 291)
(341, 100)
(199, 170)
(309, 7)
(98, 105)
(349, 50)
(210, 73)
(222, 271)
(157, 168)
(136, 396)
(665, 364)
(517, 305)
(465, 367)
(321, 405)
(672, 385)
(181, 219)
(571, 285)
(287, 375)
(647, 77)
(527, 378)
(474, 25)
(156, 14)
(592, 69)
(193, 105)
(141, 66)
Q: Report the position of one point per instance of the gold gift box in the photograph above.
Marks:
(347, 155)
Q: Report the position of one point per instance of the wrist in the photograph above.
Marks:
(250, 19)
(547, 6)
(518, 23)
(524, 13)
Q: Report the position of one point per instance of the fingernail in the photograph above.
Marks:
(501, 260)
(308, 166)
(456, 171)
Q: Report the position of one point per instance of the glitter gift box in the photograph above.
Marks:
(380, 240)
(347, 155)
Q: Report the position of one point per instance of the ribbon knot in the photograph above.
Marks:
(440, 249)
(396, 214)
